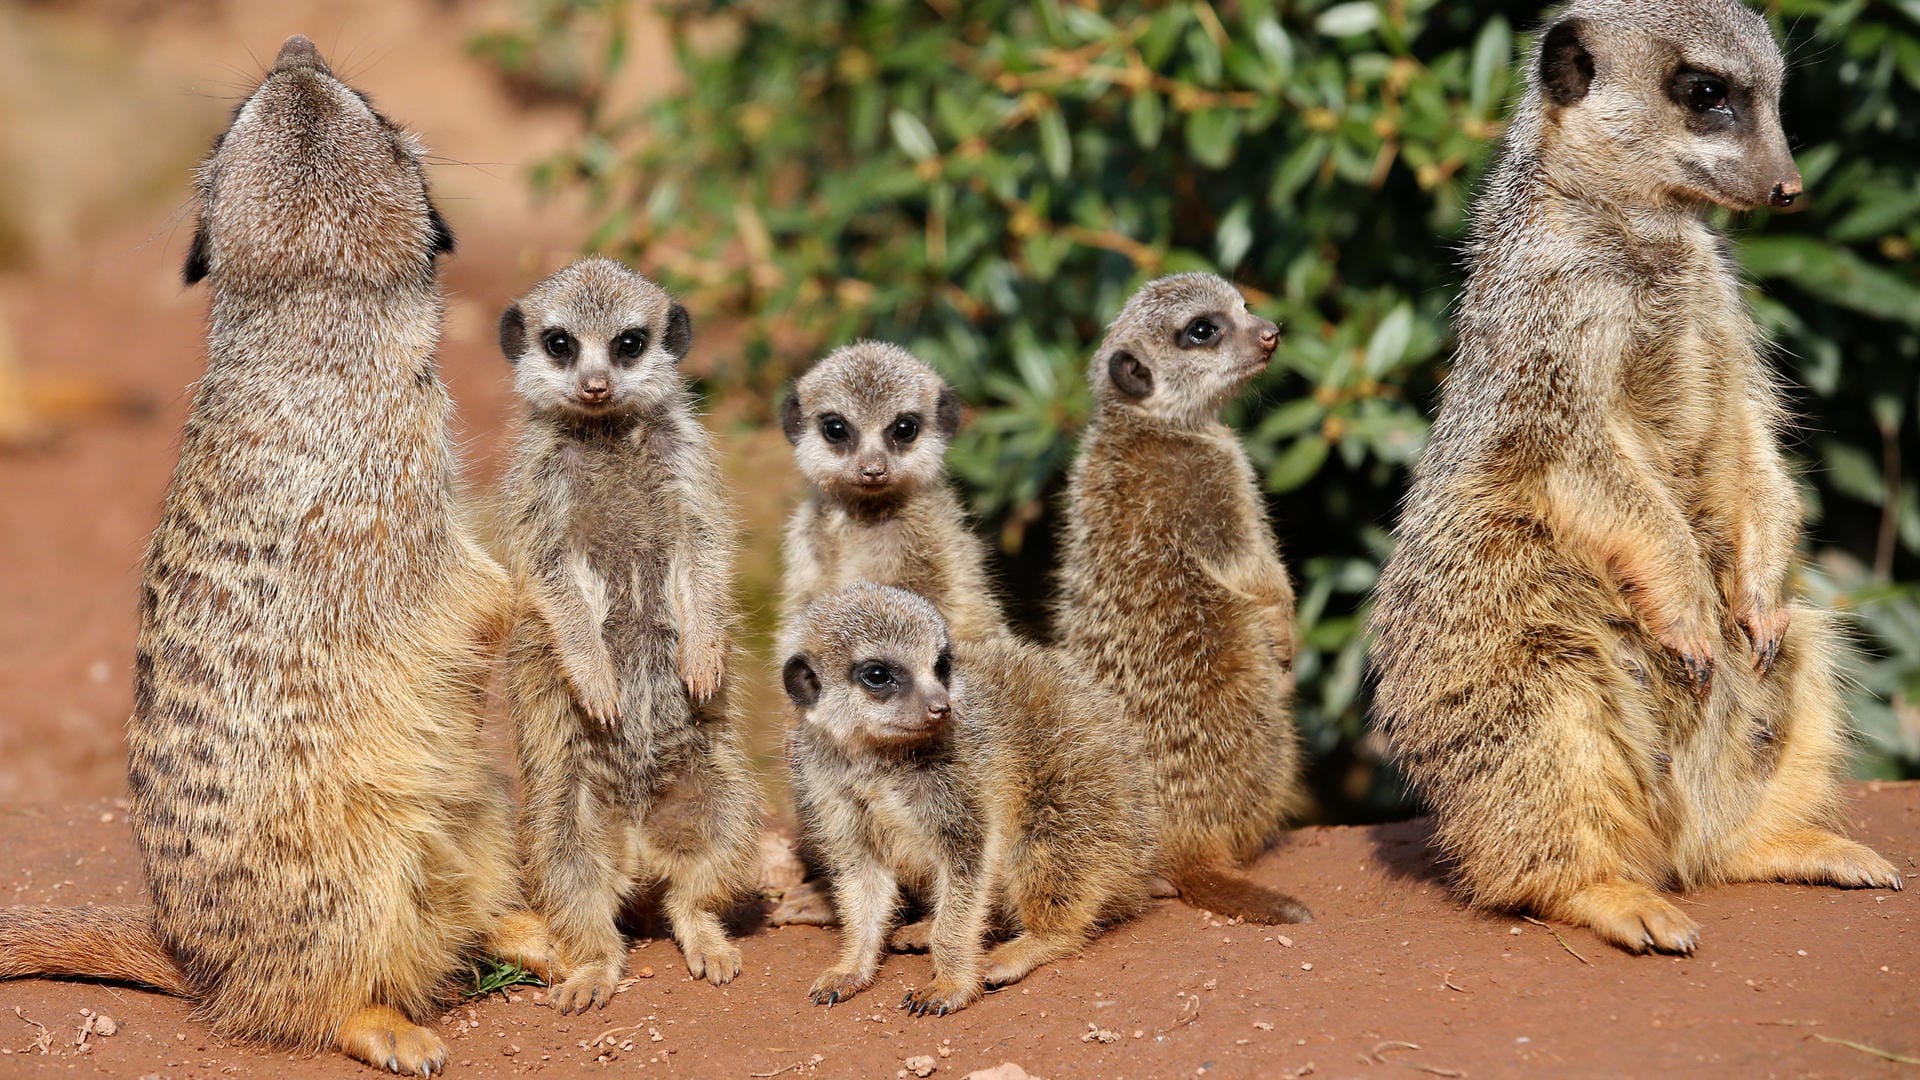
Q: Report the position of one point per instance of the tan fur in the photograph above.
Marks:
(322, 833)
(903, 526)
(1172, 588)
(998, 779)
(1587, 658)
(621, 546)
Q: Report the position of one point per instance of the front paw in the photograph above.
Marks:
(837, 985)
(1694, 649)
(599, 699)
(587, 988)
(941, 998)
(702, 667)
(1766, 628)
(717, 963)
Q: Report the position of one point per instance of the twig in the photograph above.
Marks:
(776, 1072)
(1865, 1049)
(1788, 1023)
(1558, 938)
(44, 1042)
(1379, 1052)
(1447, 981)
(1433, 1069)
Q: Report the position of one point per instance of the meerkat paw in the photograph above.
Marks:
(943, 997)
(702, 669)
(1766, 629)
(1632, 916)
(1816, 857)
(521, 938)
(836, 985)
(1011, 961)
(383, 1038)
(913, 937)
(717, 962)
(1694, 650)
(586, 988)
(599, 699)
(809, 903)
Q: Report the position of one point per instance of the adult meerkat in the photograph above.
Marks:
(993, 779)
(1587, 659)
(322, 833)
(621, 545)
(869, 426)
(1172, 588)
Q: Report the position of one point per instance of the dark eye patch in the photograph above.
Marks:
(1711, 101)
(877, 677)
(943, 667)
(1203, 332)
(835, 429)
(559, 345)
(628, 344)
(904, 429)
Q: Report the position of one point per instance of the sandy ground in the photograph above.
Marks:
(1394, 977)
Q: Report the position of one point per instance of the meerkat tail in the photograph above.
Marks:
(1228, 894)
(113, 943)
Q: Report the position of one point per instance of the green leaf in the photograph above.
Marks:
(1235, 235)
(1056, 146)
(1147, 116)
(1834, 274)
(1346, 20)
(1389, 343)
(1853, 473)
(1211, 135)
(1298, 167)
(912, 135)
(1492, 54)
(1297, 464)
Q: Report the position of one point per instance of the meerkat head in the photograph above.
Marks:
(596, 339)
(1669, 102)
(871, 667)
(308, 181)
(870, 422)
(1180, 347)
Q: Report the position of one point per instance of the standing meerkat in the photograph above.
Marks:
(621, 546)
(1172, 588)
(322, 833)
(869, 426)
(1587, 660)
(994, 779)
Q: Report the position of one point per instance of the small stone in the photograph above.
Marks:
(646, 973)
(1263, 1025)
(510, 1049)
(1306, 967)
(920, 1065)
(104, 1024)
(1515, 931)
(1285, 941)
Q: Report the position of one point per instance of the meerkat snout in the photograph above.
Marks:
(299, 51)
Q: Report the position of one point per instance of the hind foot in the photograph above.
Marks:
(809, 903)
(587, 987)
(1632, 916)
(913, 937)
(521, 938)
(383, 1038)
(704, 943)
(1014, 960)
(836, 985)
(1816, 857)
(941, 998)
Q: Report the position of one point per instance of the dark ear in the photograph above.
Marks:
(946, 412)
(1566, 67)
(442, 236)
(679, 331)
(790, 418)
(197, 260)
(513, 333)
(1129, 375)
(803, 686)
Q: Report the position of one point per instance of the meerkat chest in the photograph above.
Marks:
(887, 550)
(917, 822)
(624, 516)
(1683, 381)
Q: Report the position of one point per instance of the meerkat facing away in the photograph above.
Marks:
(869, 426)
(993, 779)
(1172, 588)
(621, 545)
(1587, 660)
(322, 834)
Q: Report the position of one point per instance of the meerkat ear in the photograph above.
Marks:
(679, 331)
(803, 686)
(513, 333)
(1566, 67)
(790, 418)
(198, 262)
(1129, 375)
(442, 235)
(946, 412)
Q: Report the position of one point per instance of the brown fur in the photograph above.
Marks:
(621, 546)
(322, 834)
(1587, 658)
(995, 779)
(1172, 588)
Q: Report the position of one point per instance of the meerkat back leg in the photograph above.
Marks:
(521, 938)
(1057, 909)
(385, 1039)
(1628, 914)
(865, 894)
(577, 884)
(698, 838)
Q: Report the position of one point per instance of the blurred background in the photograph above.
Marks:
(983, 182)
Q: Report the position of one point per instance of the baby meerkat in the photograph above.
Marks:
(1172, 588)
(869, 426)
(621, 548)
(993, 779)
(1587, 658)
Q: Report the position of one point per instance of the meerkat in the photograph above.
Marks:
(621, 545)
(321, 830)
(1587, 659)
(1172, 587)
(869, 426)
(997, 779)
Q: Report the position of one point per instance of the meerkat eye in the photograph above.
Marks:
(943, 667)
(874, 675)
(630, 344)
(1201, 331)
(1706, 93)
(559, 344)
(834, 429)
(906, 429)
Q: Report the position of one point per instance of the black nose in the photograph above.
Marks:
(1785, 192)
(1269, 337)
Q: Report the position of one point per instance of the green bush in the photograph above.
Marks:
(985, 182)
